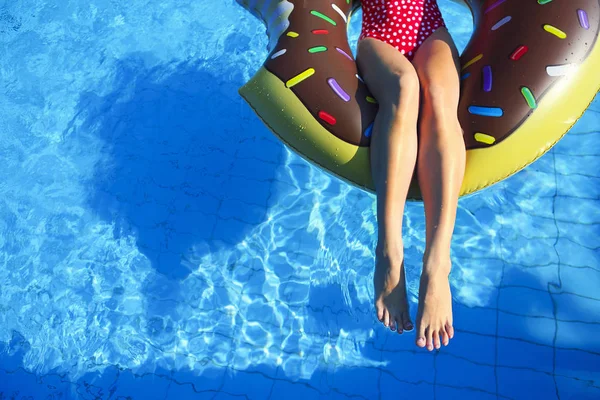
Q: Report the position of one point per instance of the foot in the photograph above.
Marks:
(434, 317)
(390, 288)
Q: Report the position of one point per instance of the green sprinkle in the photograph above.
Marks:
(528, 97)
(325, 17)
(544, 1)
(317, 49)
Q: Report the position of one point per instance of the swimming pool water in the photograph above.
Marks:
(157, 241)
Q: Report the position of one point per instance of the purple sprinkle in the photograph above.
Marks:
(503, 21)
(583, 19)
(496, 4)
(344, 53)
(338, 89)
(487, 78)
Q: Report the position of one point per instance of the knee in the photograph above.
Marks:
(440, 112)
(405, 87)
(438, 97)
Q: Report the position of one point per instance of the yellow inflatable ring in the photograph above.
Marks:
(529, 72)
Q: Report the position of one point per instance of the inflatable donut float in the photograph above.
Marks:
(530, 70)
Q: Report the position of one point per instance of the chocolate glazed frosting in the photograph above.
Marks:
(351, 117)
(531, 25)
(514, 43)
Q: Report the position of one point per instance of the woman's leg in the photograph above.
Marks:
(440, 168)
(394, 83)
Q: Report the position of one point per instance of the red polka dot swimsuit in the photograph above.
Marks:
(405, 24)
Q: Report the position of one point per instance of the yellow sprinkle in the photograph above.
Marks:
(371, 100)
(300, 77)
(483, 138)
(473, 61)
(555, 31)
(292, 34)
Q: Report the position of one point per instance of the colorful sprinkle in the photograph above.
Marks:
(317, 49)
(369, 130)
(338, 89)
(487, 78)
(494, 5)
(559, 70)
(486, 111)
(320, 31)
(300, 77)
(324, 17)
(473, 61)
(344, 53)
(583, 19)
(484, 138)
(371, 100)
(529, 98)
(277, 54)
(465, 76)
(542, 2)
(555, 31)
(339, 11)
(330, 119)
(503, 21)
(518, 53)
(293, 34)
(359, 78)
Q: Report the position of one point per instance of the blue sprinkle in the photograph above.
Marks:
(369, 130)
(486, 111)
(465, 76)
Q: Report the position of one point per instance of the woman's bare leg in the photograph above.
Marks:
(440, 168)
(394, 82)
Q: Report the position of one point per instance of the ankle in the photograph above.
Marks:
(436, 262)
(392, 249)
(436, 271)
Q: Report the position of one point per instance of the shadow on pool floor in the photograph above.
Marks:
(175, 166)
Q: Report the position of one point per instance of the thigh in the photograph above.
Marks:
(386, 72)
(437, 64)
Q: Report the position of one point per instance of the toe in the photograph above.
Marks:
(399, 325)
(436, 339)
(421, 340)
(450, 330)
(445, 338)
(380, 310)
(429, 337)
(406, 323)
(386, 317)
(392, 324)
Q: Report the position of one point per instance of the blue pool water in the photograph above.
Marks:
(157, 241)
